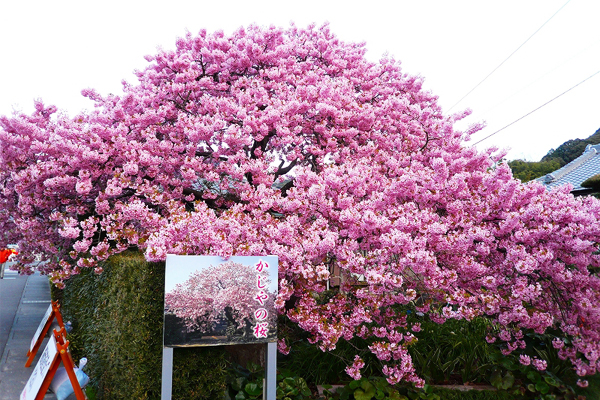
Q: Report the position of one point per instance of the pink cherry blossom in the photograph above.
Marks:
(524, 359)
(540, 365)
(290, 142)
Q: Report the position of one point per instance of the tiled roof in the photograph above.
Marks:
(577, 171)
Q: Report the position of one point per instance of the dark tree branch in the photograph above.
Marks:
(286, 187)
(282, 171)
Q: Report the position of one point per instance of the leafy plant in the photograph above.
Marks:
(525, 382)
(292, 387)
(321, 367)
(370, 388)
(245, 383)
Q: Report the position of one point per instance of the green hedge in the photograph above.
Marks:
(117, 319)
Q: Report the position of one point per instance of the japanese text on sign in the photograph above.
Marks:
(261, 329)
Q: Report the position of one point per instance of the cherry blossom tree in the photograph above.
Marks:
(291, 143)
(226, 290)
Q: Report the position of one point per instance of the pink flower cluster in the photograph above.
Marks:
(290, 142)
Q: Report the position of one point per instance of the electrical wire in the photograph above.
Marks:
(506, 59)
(531, 112)
(539, 78)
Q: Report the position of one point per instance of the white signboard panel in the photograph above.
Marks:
(40, 327)
(40, 371)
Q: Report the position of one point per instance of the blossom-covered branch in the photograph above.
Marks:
(290, 142)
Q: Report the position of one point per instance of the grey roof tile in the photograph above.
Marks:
(577, 171)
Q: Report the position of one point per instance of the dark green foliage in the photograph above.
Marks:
(377, 388)
(447, 394)
(555, 159)
(529, 170)
(321, 367)
(592, 183)
(454, 352)
(247, 384)
(370, 389)
(293, 388)
(117, 321)
(244, 383)
(325, 367)
(199, 373)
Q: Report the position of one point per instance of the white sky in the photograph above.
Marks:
(54, 49)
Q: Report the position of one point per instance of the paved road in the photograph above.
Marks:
(23, 302)
(11, 290)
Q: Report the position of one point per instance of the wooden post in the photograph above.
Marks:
(62, 344)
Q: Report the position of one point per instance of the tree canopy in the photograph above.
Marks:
(290, 142)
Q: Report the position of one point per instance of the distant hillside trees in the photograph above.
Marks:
(529, 170)
(553, 160)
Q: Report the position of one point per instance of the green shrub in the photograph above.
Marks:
(319, 367)
(592, 183)
(453, 352)
(448, 394)
(199, 373)
(117, 319)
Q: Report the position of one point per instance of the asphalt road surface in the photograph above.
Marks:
(11, 290)
(23, 302)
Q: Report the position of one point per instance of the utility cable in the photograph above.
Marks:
(531, 112)
(483, 114)
(506, 59)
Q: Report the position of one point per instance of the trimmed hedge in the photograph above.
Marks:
(117, 319)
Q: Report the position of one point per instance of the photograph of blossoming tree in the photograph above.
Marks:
(210, 301)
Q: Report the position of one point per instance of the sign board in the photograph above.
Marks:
(40, 328)
(41, 370)
(56, 351)
(210, 301)
(52, 312)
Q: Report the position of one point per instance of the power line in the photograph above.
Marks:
(482, 115)
(546, 103)
(506, 59)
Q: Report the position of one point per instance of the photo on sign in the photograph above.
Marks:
(210, 301)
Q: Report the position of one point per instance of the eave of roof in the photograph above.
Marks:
(576, 172)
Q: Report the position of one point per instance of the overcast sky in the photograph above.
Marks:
(54, 49)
